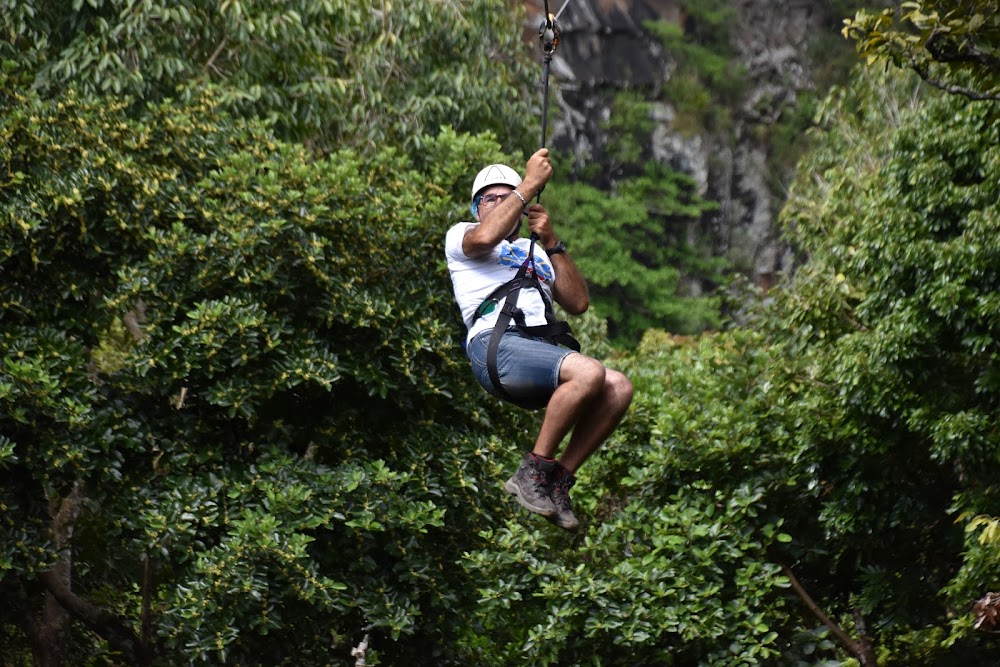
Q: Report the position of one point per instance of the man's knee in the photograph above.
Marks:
(620, 387)
(588, 373)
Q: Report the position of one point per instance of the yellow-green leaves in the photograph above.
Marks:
(951, 45)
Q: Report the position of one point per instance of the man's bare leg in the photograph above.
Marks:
(590, 397)
(598, 421)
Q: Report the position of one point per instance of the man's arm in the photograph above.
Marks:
(494, 227)
(570, 289)
(501, 222)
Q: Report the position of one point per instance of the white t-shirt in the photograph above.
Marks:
(475, 279)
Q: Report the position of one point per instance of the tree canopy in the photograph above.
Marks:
(893, 319)
(334, 73)
(634, 245)
(219, 385)
(236, 426)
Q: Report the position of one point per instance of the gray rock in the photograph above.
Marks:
(606, 47)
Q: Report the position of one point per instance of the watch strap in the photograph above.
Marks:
(556, 249)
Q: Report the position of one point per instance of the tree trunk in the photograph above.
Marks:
(52, 631)
(865, 650)
(63, 606)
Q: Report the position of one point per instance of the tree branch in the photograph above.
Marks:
(860, 650)
(864, 642)
(106, 624)
(210, 65)
(950, 88)
(960, 54)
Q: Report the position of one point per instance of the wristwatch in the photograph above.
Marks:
(556, 249)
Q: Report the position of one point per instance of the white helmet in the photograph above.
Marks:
(495, 174)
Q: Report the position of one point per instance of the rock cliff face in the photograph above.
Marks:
(608, 46)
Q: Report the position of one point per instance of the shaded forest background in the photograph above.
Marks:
(237, 426)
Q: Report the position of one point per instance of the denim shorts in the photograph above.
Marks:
(528, 367)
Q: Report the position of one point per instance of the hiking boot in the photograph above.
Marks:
(530, 484)
(562, 481)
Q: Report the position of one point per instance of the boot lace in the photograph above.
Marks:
(563, 482)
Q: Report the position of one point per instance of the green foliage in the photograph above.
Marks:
(951, 44)
(636, 242)
(710, 24)
(628, 127)
(893, 319)
(831, 57)
(244, 360)
(788, 140)
(680, 580)
(677, 561)
(707, 80)
(334, 73)
(835, 441)
(976, 580)
(634, 247)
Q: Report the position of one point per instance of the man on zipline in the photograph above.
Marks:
(487, 260)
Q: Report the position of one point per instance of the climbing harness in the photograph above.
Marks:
(555, 331)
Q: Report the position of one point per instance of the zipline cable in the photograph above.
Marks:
(549, 33)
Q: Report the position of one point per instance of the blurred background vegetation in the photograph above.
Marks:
(236, 425)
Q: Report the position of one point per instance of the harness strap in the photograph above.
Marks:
(556, 331)
(503, 321)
